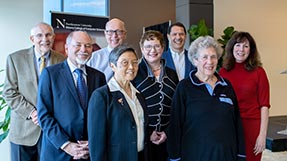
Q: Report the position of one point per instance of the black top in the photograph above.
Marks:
(205, 124)
(157, 93)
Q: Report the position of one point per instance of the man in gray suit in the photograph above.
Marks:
(20, 91)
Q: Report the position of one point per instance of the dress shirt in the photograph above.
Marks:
(75, 75)
(179, 63)
(100, 61)
(135, 107)
(38, 60)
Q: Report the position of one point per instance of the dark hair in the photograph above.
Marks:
(176, 24)
(118, 51)
(253, 60)
(152, 35)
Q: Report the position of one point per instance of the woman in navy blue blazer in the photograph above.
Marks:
(117, 119)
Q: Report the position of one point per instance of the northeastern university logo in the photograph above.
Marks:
(78, 22)
(60, 23)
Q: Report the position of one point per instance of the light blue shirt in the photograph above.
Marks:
(100, 61)
(38, 60)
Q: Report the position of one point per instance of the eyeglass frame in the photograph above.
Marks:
(157, 47)
(125, 63)
(117, 32)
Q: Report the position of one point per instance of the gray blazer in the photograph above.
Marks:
(20, 92)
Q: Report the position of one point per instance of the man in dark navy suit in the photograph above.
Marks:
(62, 111)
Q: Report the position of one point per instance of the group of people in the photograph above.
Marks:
(111, 105)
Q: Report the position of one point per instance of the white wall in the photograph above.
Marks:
(267, 23)
(17, 17)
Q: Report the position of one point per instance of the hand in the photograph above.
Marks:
(34, 117)
(260, 144)
(158, 137)
(85, 146)
(78, 150)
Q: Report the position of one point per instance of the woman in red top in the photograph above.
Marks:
(243, 68)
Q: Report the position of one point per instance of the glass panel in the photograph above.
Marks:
(91, 7)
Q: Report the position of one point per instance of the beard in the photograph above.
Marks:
(81, 62)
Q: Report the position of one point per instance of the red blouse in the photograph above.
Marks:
(251, 88)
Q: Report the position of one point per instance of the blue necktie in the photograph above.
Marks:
(82, 88)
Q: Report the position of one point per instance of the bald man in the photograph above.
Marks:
(115, 34)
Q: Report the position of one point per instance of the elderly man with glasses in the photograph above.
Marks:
(115, 34)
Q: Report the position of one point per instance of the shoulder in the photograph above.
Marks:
(57, 54)
(93, 70)
(100, 52)
(103, 90)
(22, 52)
(260, 70)
(171, 74)
(166, 53)
(184, 83)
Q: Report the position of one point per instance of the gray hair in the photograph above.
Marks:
(32, 31)
(203, 42)
(118, 51)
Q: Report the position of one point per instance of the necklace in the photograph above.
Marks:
(156, 69)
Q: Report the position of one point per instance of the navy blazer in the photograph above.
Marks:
(169, 62)
(111, 127)
(60, 113)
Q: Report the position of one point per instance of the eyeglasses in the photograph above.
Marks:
(118, 32)
(149, 47)
(40, 35)
(125, 63)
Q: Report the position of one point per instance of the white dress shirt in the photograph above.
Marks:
(179, 63)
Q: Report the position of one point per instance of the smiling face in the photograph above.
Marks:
(176, 38)
(126, 67)
(241, 51)
(42, 37)
(152, 51)
(79, 48)
(206, 62)
(115, 32)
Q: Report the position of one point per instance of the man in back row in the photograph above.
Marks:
(115, 34)
(176, 56)
(23, 69)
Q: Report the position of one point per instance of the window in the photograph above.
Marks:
(89, 7)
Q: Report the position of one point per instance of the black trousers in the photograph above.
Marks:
(158, 152)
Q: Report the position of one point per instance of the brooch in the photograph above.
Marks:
(120, 100)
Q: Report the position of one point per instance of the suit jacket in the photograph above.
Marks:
(20, 92)
(60, 113)
(112, 128)
(169, 62)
